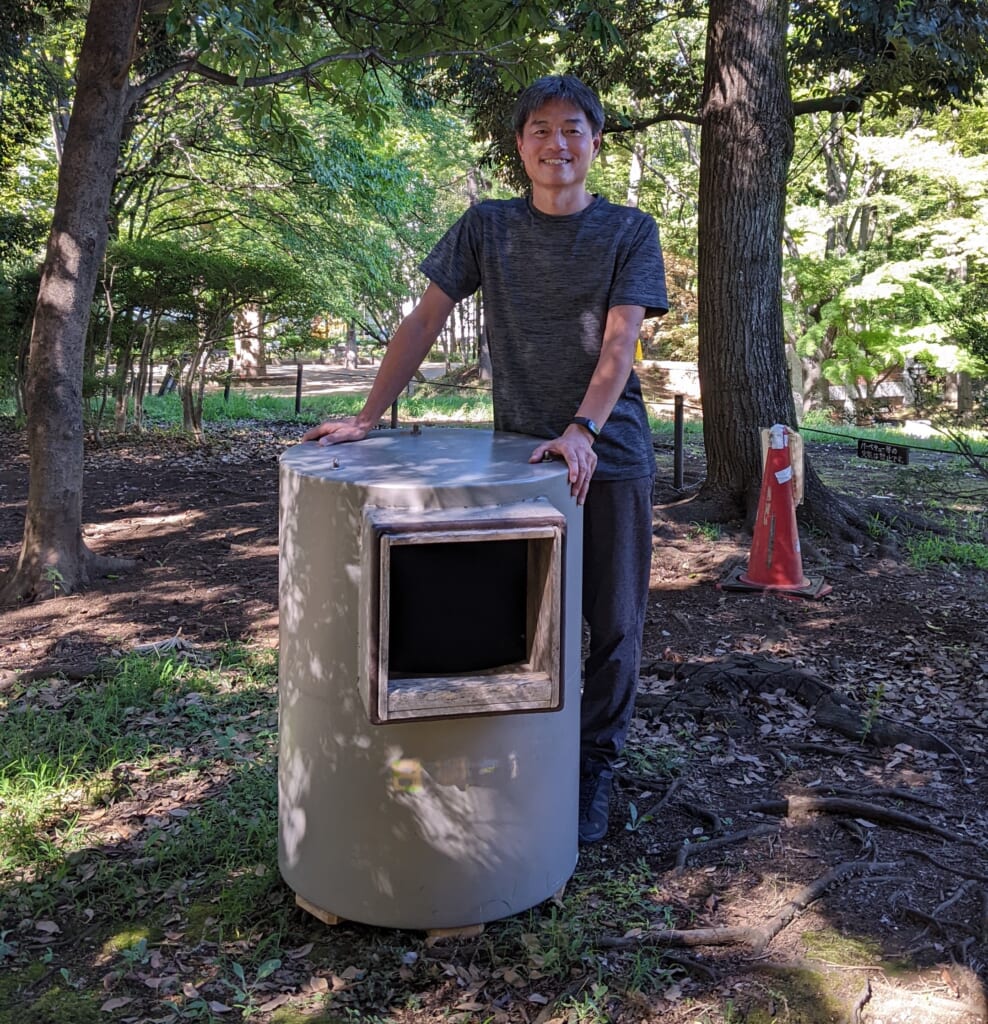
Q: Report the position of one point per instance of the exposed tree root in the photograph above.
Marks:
(704, 685)
(800, 806)
(35, 578)
(886, 794)
(848, 524)
(960, 872)
(934, 921)
(176, 647)
(704, 814)
(688, 849)
(756, 937)
(74, 671)
(861, 1002)
(653, 809)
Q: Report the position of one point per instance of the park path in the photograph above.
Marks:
(320, 379)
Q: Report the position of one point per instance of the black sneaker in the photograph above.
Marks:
(595, 801)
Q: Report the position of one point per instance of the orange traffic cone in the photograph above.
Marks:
(775, 562)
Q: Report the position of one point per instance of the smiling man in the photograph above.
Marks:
(567, 278)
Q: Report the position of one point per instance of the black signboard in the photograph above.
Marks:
(879, 451)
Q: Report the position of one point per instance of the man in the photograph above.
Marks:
(567, 279)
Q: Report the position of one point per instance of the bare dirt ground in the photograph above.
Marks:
(800, 871)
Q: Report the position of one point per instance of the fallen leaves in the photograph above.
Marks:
(116, 1003)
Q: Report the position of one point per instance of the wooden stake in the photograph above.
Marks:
(323, 915)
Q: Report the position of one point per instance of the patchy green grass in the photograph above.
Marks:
(138, 874)
(129, 801)
(454, 406)
(958, 551)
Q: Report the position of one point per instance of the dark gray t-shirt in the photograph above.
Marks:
(548, 283)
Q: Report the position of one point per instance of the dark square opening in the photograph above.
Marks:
(464, 610)
(458, 607)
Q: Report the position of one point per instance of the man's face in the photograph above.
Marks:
(557, 145)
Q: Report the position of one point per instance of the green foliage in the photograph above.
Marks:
(164, 411)
(34, 43)
(921, 54)
(57, 1004)
(709, 531)
(17, 295)
(635, 820)
(91, 733)
(884, 242)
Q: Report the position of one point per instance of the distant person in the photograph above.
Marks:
(567, 279)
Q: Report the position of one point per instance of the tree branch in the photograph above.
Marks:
(844, 104)
(194, 67)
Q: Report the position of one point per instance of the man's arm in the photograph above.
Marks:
(617, 356)
(416, 334)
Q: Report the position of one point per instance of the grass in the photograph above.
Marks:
(817, 425)
(165, 411)
(929, 549)
(132, 801)
(140, 819)
(469, 404)
(196, 744)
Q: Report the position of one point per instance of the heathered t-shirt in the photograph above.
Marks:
(548, 283)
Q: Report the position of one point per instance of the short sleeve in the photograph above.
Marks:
(454, 263)
(639, 278)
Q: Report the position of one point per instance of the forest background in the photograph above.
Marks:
(231, 156)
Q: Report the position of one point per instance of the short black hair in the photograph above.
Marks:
(558, 87)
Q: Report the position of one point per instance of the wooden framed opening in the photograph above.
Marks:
(463, 610)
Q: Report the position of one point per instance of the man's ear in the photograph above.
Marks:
(597, 139)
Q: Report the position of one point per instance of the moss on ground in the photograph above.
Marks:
(57, 1005)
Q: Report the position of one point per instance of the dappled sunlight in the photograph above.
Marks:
(903, 644)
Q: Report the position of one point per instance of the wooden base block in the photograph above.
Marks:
(323, 915)
(468, 931)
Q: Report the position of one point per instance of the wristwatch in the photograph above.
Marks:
(587, 424)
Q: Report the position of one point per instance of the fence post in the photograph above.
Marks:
(229, 377)
(677, 443)
(394, 414)
(298, 388)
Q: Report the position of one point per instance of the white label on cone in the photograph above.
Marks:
(784, 475)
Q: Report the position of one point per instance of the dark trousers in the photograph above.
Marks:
(617, 556)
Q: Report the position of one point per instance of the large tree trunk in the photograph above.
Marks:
(53, 554)
(746, 145)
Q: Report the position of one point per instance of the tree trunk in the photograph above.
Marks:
(144, 378)
(351, 346)
(746, 145)
(248, 341)
(53, 552)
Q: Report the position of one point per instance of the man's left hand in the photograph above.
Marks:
(575, 447)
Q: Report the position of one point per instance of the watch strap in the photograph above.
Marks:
(587, 424)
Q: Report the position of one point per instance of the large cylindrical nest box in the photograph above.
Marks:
(429, 677)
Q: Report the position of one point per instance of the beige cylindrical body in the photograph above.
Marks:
(434, 823)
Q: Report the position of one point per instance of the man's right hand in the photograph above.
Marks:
(337, 431)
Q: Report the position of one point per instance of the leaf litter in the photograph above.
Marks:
(763, 840)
